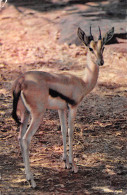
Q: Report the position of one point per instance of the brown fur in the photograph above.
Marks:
(35, 91)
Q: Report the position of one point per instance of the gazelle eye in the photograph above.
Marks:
(91, 49)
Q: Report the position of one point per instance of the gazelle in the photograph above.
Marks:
(36, 91)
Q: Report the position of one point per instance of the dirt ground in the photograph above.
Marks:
(29, 41)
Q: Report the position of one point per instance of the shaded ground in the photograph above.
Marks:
(29, 40)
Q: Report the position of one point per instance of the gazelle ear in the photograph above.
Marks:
(108, 36)
(82, 36)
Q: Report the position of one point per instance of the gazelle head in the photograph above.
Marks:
(95, 48)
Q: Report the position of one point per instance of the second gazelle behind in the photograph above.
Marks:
(36, 91)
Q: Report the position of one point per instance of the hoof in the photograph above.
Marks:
(73, 167)
(30, 180)
(75, 170)
(66, 163)
(32, 183)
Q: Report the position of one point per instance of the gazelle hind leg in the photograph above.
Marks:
(23, 127)
(71, 117)
(24, 116)
(35, 100)
(34, 125)
(63, 122)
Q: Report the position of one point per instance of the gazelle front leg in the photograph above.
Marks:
(63, 122)
(71, 118)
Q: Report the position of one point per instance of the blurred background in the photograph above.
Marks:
(74, 13)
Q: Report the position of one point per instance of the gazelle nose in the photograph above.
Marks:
(100, 62)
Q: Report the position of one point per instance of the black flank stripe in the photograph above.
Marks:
(55, 94)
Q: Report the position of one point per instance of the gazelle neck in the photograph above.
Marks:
(90, 74)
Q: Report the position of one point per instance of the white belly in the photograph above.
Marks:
(56, 103)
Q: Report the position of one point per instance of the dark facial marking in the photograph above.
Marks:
(91, 49)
